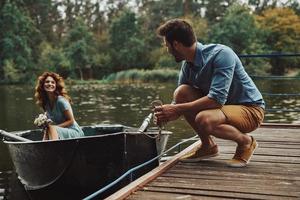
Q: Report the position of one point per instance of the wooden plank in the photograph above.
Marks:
(258, 168)
(239, 184)
(148, 195)
(226, 176)
(161, 193)
(265, 151)
(127, 190)
(265, 144)
(267, 159)
(258, 189)
(274, 172)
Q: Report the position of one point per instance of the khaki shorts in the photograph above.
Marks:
(245, 118)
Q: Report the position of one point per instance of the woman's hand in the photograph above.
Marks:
(69, 119)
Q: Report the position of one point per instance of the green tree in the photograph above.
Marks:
(200, 26)
(238, 30)
(44, 14)
(53, 59)
(126, 44)
(295, 5)
(15, 37)
(281, 28)
(149, 20)
(215, 9)
(102, 57)
(261, 5)
(153, 13)
(79, 47)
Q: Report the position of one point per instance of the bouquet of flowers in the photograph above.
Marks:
(42, 121)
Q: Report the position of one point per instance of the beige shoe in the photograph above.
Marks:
(243, 156)
(200, 154)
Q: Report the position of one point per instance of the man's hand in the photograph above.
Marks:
(165, 113)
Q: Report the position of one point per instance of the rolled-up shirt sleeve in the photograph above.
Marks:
(224, 65)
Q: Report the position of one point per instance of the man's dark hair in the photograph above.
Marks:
(179, 30)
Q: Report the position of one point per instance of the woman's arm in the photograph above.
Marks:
(69, 119)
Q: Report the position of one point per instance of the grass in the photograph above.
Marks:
(136, 75)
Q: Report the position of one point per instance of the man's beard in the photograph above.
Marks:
(177, 56)
(177, 59)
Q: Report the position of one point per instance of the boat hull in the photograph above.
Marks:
(75, 168)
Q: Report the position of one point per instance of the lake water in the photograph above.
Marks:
(120, 104)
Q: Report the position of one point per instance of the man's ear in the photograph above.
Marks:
(176, 45)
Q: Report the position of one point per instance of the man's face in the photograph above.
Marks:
(171, 49)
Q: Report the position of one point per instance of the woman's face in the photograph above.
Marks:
(50, 84)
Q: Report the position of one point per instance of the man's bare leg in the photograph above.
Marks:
(213, 122)
(186, 93)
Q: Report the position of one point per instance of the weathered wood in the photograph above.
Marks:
(188, 193)
(124, 192)
(148, 195)
(273, 173)
(238, 184)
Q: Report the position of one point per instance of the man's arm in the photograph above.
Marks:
(224, 65)
(198, 105)
(170, 112)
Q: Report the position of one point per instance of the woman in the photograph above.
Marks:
(52, 97)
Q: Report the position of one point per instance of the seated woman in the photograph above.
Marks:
(52, 97)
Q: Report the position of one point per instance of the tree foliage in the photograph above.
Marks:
(238, 30)
(92, 38)
(79, 47)
(126, 45)
(281, 28)
(215, 9)
(15, 49)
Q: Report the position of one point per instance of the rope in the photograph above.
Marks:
(130, 171)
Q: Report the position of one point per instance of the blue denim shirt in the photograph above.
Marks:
(218, 73)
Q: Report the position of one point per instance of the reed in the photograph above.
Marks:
(137, 75)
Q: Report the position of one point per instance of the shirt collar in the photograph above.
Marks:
(198, 61)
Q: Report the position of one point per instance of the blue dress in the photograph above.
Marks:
(57, 116)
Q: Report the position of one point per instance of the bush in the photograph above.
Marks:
(135, 75)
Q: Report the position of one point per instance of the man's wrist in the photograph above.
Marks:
(179, 109)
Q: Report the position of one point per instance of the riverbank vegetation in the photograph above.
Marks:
(113, 40)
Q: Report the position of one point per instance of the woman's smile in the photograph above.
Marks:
(50, 84)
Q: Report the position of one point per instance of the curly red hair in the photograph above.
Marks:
(40, 93)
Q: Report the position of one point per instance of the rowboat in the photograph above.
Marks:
(75, 168)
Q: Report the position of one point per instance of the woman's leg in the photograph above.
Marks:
(52, 133)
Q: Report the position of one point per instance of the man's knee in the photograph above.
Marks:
(186, 93)
(208, 120)
(204, 121)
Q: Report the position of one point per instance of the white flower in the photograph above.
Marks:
(42, 120)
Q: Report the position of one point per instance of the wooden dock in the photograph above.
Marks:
(273, 173)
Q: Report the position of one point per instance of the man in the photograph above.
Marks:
(214, 94)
